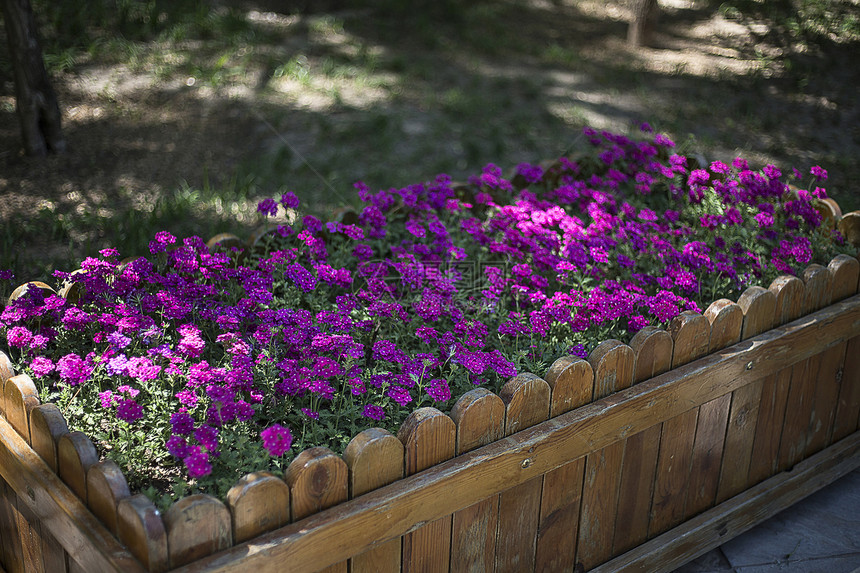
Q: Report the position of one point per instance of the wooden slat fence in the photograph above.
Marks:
(586, 468)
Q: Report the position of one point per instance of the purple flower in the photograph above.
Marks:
(73, 369)
(289, 200)
(118, 340)
(197, 462)
(439, 390)
(311, 414)
(267, 207)
(373, 412)
(41, 366)
(129, 410)
(819, 173)
(276, 439)
(177, 446)
(18, 336)
(207, 436)
(182, 423)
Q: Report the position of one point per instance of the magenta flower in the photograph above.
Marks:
(373, 412)
(276, 439)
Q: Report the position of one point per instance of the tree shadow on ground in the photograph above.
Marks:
(313, 102)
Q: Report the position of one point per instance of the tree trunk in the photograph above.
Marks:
(642, 25)
(38, 110)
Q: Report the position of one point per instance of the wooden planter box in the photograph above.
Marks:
(638, 459)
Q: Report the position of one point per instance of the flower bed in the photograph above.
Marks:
(231, 359)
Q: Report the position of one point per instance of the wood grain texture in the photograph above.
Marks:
(798, 408)
(480, 419)
(13, 553)
(764, 461)
(527, 402)
(196, 526)
(479, 416)
(845, 275)
(718, 525)
(726, 319)
(429, 438)
(828, 382)
(61, 511)
(652, 351)
(637, 489)
(318, 479)
(447, 487)
(673, 471)
(17, 389)
(707, 455)
(47, 425)
(258, 502)
(759, 307)
(106, 486)
(691, 333)
(743, 418)
(559, 518)
(849, 226)
(571, 382)
(790, 293)
(75, 455)
(848, 410)
(599, 505)
(141, 530)
(6, 369)
(30, 534)
(819, 288)
(612, 362)
(375, 459)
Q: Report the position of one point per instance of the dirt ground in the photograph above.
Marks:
(134, 135)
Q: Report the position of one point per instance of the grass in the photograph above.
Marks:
(391, 95)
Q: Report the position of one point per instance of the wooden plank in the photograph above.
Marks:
(790, 294)
(75, 455)
(707, 455)
(613, 365)
(17, 389)
(819, 287)
(141, 529)
(480, 419)
(527, 402)
(400, 507)
(759, 307)
(798, 408)
(429, 438)
(258, 502)
(848, 411)
(59, 510)
(828, 381)
(764, 461)
(691, 333)
(196, 526)
(13, 556)
(6, 369)
(845, 273)
(637, 489)
(47, 425)
(726, 521)
(673, 472)
(571, 381)
(106, 486)
(318, 479)
(652, 348)
(375, 459)
(612, 362)
(726, 319)
(30, 531)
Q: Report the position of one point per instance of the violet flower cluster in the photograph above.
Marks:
(321, 329)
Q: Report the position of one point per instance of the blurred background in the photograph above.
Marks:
(180, 115)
